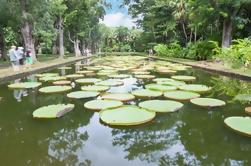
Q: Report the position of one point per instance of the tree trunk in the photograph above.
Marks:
(26, 30)
(2, 45)
(227, 32)
(55, 48)
(184, 30)
(61, 38)
(76, 48)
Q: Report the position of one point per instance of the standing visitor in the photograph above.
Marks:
(20, 54)
(13, 58)
(28, 58)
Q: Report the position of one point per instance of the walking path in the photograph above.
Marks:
(211, 67)
(7, 73)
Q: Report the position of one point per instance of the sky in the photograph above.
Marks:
(117, 16)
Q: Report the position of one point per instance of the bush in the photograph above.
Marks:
(161, 49)
(170, 50)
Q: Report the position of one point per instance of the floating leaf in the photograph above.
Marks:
(119, 76)
(161, 105)
(110, 83)
(126, 116)
(53, 111)
(74, 76)
(162, 79)
(65, 68)
(102, 104)
(141, 72)
(195, 88)
(172, 83)
(98, 88)
(85, 72)
(241, 125)
(82, 94)
(47, 75)
(146, 93)
(162, 88)
(52, 78)
(208, 102)
(87, 80)
(118, 96)
(25, 85)
(144, 76)
(181, 95)
(184, 78)
(55, 89)
(63, 82)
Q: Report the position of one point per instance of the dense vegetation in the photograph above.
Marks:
(193, 29)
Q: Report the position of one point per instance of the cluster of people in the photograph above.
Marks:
(19, 57)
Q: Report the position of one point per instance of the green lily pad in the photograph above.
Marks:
(162, 88)
(62, 82)
(243, 97)
(55, 89)
(82, 94)
(126, 116)
(208, 102)
(184, 78)
(87, 80)
(141, 72)
(52, 78)
(118, 96)
(110, 83)
(162, 79)
(119, 76)
(146, 93)
(74, 76)
(241, 125)
(161, 105)
(53, 111)
(65, 68)
(166, 71)
(144, 76)
(93, 68)
(98, 88)
(47, 75)
(102, 104)
(25, 85)
(181, 95)
(85, 72)
(195, 88)
(172, 83)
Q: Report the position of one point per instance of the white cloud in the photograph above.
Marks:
(118, 19)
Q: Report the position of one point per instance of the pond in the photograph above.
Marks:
(193, 135)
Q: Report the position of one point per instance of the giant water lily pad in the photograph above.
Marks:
(82, 94)
(159, 87)
(166, 71)
(172, 83)
(195, 88)
(65, 68)
(52, 78)
(181, 95)
(126, 116)
(85, 72)
(241, 125)
(62, 82)
(110, 83)
(47, 75)
(208, 102)
(53, 111)
(144, 76)
(102, 104)
(184, 78)
(118, 96)
(55, 89)
(87, 80)
(161, 105)
(74, 76)
(141, 72)
(119, 76)
(162, 79)
(146, 93)
(25, 85)
(98, 88)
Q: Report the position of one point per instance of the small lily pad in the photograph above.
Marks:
(47, 75)
(181, 95)
(87, 80)
(74, 76)
(25, 85)
(82, 94)
(126, 116)
(241, 125)
(184, 78)
(65, 68)
(162, 88)
(161, 105)
(62, 82)
(172, 83)
(52, 78)
(195, 88)
(120, 76)
(98, 88)
(162, 79)
(167, 71)
(53, 111)
(110, 83)
(144, 76)
(85, 72)
(146, 93)
(118, 96)
(55, 89)
(208, 102)
(141, 72)
(102, 104)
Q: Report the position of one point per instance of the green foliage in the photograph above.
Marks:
(237, 55)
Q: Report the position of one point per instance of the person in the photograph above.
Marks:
(151, 52)
(20, 55)
(28, 58)
(13, 58)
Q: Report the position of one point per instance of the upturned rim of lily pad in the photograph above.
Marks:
(240, 125)
(62, 82)
(52, 78)
(208, 102)
(183, 78)
(24, 85)
(55, 89)
(74, 76)
(52, 111)
(99, 104)
(162, 106)
(159, 87)
(110, 83)
(146, 93)
(181, 95)
(98, 88)
(85, 81)
(82, 94)
(124, 97)
(145, 76)
(195, 88)
(127, 115)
